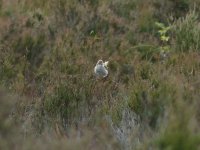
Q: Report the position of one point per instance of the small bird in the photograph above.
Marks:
(100, 69)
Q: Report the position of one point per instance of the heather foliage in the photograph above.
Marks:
(51, 99)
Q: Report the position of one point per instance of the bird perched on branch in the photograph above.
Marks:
(101, 69)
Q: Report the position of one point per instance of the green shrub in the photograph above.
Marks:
(148, 52)
(177, 136)
(136, 101)
(69, 103)
(146, 71)
(149, 99)
(48, 50)
(124, 9)
(30, 47)
(65, 103)
(186, 32)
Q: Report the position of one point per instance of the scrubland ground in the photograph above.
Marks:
(50, 98)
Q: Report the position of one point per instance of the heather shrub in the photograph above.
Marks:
(186, 33)
(52, 98)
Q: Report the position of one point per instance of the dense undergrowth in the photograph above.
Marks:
(50, 98)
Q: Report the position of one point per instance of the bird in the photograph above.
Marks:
(101, 68)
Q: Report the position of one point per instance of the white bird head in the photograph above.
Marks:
(100, 62)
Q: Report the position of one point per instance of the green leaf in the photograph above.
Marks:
(160, 25)
(165, 38)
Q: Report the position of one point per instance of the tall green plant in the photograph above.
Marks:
(187, 33)
(163, 35)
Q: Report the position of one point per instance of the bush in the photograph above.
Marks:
(31, 48)
(186, 32)
(48, 50)
(67, 103)
(178, 134)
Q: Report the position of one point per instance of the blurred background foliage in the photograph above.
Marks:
(50, 98)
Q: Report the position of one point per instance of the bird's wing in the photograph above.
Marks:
(100, 70)
(106, 63)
